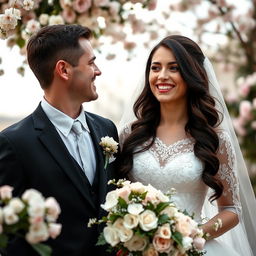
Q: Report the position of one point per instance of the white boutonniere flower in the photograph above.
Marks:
(110, 147)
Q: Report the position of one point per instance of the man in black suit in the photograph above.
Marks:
(42, 150)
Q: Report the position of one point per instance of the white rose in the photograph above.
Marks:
(17, 205)
(148, 220)
(135, 209)
(187, 242)
(32, 194)
(136, 243)
(131, 221)
(111, 200)
(54, 230)
(37, 233)
(6, 192)
(125, 234)
(36, 208)
(111, 235)
(9, 215)
(53, 209)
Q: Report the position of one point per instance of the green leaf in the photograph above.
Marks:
(42, 249)
(161, 206)
(101, 239)
(3, 240)
(177, 237)
(163, 218)
(122, 203)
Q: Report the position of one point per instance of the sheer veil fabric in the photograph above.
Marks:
(242, 237)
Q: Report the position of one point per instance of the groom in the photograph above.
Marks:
(44, 151)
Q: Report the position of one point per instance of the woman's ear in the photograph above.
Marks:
(63, 69)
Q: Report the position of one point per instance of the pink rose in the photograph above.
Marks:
(199, 243)
(151, 251)
(162, 245)
(6, 192)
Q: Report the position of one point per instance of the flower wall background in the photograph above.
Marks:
(124, 32)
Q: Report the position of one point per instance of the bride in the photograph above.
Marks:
(182, 138)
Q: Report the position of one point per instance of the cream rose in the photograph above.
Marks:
(131, 221)
(17, 205)
(9, 215)
(136, 243)
(187, 242)
(125, 234)
(170, 211)
(111, 235)
(148, 220)
(183, 225)
(6, 192)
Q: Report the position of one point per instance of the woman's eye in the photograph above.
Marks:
(155, 68)
(174, 68)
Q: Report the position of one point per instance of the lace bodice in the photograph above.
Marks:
(176, 166)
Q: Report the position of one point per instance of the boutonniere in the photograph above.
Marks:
(110, 147)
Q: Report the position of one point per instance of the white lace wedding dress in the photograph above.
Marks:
(176, 166)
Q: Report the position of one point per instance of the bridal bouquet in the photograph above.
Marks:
(142, 221)
(32, 217)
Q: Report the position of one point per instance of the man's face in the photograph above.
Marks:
(82, 86)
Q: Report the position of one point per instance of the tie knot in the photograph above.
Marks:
(77, 128)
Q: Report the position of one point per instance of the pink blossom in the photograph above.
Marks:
(69, 15)
(239, 126)
(82, 5)
(231, 98)
(245, 109)
(152, 5)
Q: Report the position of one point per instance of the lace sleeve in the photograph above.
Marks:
(123, 134)
(228, 175)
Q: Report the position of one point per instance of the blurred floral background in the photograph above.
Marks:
(124, 31)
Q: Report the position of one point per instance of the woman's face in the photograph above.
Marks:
(165, 79)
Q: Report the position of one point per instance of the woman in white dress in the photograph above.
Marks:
(181, 138)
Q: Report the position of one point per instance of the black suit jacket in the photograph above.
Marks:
(32, 155)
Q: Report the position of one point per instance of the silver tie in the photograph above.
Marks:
(81, 146)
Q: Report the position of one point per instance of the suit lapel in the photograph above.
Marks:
(96, 135)
(50, 138)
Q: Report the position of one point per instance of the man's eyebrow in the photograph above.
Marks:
(92, 59)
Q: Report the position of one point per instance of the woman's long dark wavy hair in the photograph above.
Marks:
(202, 115)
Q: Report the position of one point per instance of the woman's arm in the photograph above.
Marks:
(229, 202)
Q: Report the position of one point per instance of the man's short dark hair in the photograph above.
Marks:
(53, 43)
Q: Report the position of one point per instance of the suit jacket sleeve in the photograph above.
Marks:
(11, 172)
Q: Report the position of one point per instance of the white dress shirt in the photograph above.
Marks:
(63, 124)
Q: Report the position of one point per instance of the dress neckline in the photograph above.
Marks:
(174, 144)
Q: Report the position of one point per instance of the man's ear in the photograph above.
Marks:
(63, 69)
